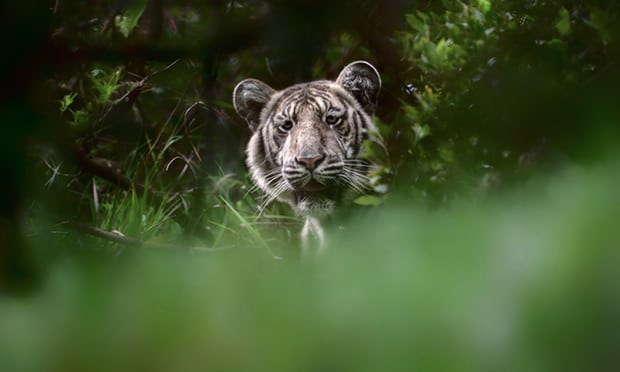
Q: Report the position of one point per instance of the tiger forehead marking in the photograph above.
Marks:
(306, 146)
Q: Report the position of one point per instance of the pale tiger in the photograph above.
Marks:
(307, 146)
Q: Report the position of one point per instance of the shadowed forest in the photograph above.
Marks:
(131, 236)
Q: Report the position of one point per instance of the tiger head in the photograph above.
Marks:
(307, 143)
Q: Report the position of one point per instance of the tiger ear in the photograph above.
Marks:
(362, 81)
(249, 98)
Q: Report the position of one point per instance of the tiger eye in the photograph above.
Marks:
(332, 119)
(286, 125)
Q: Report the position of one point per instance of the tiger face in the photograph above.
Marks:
(306, 147)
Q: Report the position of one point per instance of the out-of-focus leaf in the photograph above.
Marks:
(421, 131)
(563, 23)
(130, 17)
(368, 200)
(484, 5)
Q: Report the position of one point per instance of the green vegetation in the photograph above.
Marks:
(528, 282)
(133, 239)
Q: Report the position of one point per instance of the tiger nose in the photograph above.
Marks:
(310, 162)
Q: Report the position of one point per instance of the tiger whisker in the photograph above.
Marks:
(353, 182)
(359, 164)
(278, 189)
(355, 179)
(356, 172)
(270, 176)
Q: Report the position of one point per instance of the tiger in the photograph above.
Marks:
(307, 143)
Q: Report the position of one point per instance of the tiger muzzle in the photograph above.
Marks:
(310, 162)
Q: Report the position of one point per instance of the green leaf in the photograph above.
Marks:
(80, 118)
(368, 200)
(417, 24)
(67, 101)
(421, 131)
(563, 23)
(484, 5)
(105, 83)
(128, 21)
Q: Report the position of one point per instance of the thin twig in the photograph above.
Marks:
(113, 236)
(120, 238)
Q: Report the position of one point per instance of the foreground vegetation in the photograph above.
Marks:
(526, 281)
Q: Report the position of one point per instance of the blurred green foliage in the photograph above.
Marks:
(526, 283)
(129, 217)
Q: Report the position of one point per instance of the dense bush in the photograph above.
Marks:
(499, 89)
